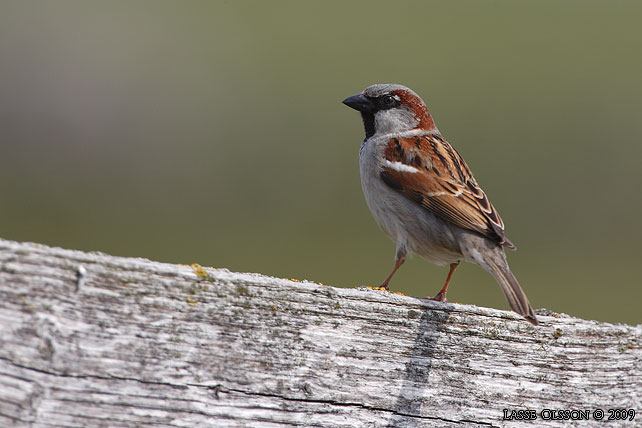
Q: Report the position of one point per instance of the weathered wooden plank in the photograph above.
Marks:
(133, 342)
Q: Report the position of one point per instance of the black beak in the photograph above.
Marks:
(360, 102)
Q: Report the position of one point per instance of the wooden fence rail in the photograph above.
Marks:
(91, 340)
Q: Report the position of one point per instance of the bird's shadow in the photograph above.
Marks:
(407, 409)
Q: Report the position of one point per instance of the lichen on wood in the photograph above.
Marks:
(88, 339)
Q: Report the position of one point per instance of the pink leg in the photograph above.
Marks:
(398, 264)
(441, 296)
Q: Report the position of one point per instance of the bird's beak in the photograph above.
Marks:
(360, 102)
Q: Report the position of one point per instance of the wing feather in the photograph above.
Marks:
(429, 171)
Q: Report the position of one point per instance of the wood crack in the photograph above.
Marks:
(141, 343)
(221, 389)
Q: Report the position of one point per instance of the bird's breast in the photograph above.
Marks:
(403, 220)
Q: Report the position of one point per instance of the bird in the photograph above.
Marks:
(423, 195)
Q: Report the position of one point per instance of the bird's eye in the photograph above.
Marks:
(388, 100)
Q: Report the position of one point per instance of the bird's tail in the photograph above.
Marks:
(514, 294)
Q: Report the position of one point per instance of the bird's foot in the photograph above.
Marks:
(439, 297)
(382, 287)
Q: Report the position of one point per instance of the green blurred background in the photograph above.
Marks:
(213, 132)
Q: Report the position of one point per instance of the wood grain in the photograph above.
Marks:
(92, 340)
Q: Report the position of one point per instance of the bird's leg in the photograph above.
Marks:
(441, 296)
(400, 257)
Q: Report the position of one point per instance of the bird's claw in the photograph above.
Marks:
(439, 297)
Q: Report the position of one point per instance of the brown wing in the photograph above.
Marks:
(429, 171)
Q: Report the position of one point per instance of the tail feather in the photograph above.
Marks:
(514, 294)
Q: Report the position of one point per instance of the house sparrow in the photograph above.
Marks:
(423, 195)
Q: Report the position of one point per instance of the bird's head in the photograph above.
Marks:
(390, 108)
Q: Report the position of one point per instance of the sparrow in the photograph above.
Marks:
(423, 195)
